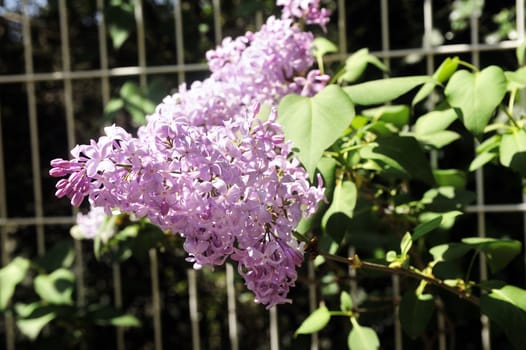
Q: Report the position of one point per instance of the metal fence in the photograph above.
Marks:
(10, 222)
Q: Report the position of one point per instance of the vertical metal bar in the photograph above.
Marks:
(314, 338)
(430, 67)
(33, 126)
(105, 94)
(218, 33)
(479, 179)
(141, 44)
(9, 326)
(194, 313)
(117, 296)
(384, 16)
(179, 40)
(342, 26)
(519, 18)
(103, 53)
(274, 330)
(156, 299)
(232, 313)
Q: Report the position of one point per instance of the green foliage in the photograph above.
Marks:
(476, 95)
(53, 284)
(315, 123)
(316, 321)
(11, 275)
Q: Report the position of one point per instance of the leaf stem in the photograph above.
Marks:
(468, 65)
(356, 263)
(510, 116)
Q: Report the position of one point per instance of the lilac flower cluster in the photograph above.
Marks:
(308, 10)
(205, 167)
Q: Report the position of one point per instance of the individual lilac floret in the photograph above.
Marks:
(308, 10)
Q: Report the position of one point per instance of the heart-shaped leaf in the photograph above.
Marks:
(477, 95)
(313, 124)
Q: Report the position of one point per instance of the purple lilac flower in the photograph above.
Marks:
(92, 225)
(308, 10)
(206, 168)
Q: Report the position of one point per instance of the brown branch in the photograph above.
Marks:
(356, 263)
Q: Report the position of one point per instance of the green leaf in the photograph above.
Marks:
(383, 90)
(406, 151)
(11, 275)
(438, 139)
(345, 302)
(447, 198)
(316, 321)
(33, 317)
(481, 160)
(415, 313)
(434, 121)
(499, 252)
(450, 177)
(512, 152)
(356, 63)
(449, 251)
(398, 115)
(406, 244)
(327, 168)
(108, 316)
(506, 306)
(343, 201)
(321, 47)
(362, 338)
(61, 255)
(477, 95)
(313, 124)
(516, 79)
(135, 102)
(444, 71)
(424, 228)
(121, 22)
(57, 287)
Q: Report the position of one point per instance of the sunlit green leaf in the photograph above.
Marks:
(33, 317)
(60, 255)
(57, 287)
(434, 121)
(11, 275)
(499, 252)
(398, 115)
(426, 227)
(345, 302)
(482, 159)
(356, 63)
(449, 251)
(450, 177)
(384, 90)
(512, 152)
(313, 124)
(406, 244)
(506, 306)
(316, 321)
(477, 95)
(362, 338)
